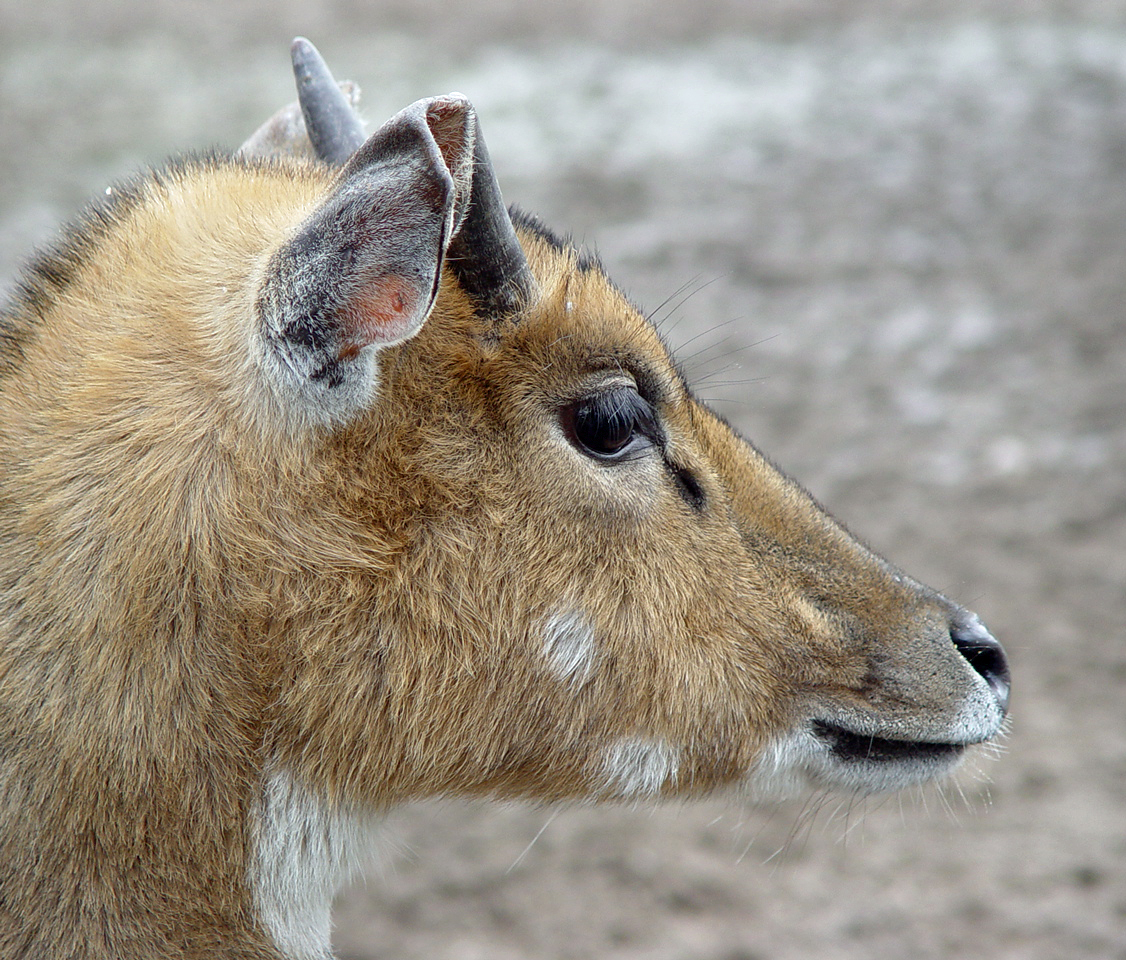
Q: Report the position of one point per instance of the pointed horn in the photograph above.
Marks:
(335, 130)
(485, 255)
(284, 134)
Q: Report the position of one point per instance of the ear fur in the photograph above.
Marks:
(361, 272)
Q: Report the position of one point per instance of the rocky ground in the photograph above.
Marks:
(894, 239)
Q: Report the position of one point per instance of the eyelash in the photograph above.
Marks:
(607, 426)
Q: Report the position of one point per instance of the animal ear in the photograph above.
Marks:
(361, 272)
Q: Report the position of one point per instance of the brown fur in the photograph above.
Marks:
(191, 596)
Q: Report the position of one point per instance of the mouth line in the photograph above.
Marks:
(859, 748)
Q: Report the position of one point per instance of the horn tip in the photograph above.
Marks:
(306, 58)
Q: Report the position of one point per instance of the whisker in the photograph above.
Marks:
(719, 344)
(754, 837)
(523, 853)
(703, 333)
(651, 316)
(736, 400)
(666, 332)
(740, 382)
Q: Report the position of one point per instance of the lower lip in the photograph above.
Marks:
(857, 748)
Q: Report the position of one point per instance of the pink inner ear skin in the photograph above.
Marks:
(382, 312)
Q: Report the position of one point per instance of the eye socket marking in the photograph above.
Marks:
(688, 486)
(618, 424)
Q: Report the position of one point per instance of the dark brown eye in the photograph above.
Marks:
(612, 424)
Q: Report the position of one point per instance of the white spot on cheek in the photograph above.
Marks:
(570, 647)
(639, 767)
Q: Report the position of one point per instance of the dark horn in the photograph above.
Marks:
(485, 255)
(335, 130)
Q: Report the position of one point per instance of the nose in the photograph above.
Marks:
(984, 654)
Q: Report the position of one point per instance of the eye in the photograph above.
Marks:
(611, 424)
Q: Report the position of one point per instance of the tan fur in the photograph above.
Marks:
(193, 594)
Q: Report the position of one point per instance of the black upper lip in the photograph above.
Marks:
(850, 746)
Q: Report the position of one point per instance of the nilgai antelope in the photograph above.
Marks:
(327, 484)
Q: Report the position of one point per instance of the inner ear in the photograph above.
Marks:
(381, 311)
(361, 272)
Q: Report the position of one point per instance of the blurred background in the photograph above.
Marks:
(890, 241)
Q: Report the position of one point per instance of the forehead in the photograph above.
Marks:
(583, 325)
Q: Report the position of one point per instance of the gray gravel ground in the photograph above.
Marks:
(894, 238)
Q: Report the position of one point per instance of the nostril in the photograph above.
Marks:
(984, 654)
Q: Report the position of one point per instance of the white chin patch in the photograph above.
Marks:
(569, 646)
(638, 767)
(801, 761)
